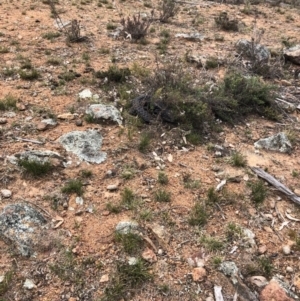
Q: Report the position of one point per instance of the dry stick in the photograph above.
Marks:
(29, 140)
(270, 179)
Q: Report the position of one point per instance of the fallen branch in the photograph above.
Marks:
(270, 179)
(29, 140)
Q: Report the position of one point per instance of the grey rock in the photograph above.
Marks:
(40, 156)
(125, 227)
(85, 144)
(107, 112)
(3, 120)
(29, 284)
(193, 36)
(6, 193)
(22, 226)
(259, 281)
(79, 200)
(248, 238)
(278, 142)
(293, 54)
(261, 53)
(229, 268)
(50, 122)
(86, 93)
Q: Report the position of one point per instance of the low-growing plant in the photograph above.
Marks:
(167, 10)
(144, 143)
(265, 265)
(190, 183)
(30, 75)
(35, 168)
(136, 28)
(145, 215)
(113, 208)
(132, 243)
(86, 173)
(54, 61)
(238, 160)
(258, 191)
(212, 195)
(127, 279)
(67, 76)
(162, 195)
(6, 282)
(8, 102)
(114, 74)
(162, 178)
(216, 260)
(128, 198)
(73, 186)
(225, 23)
(211, 63)
(110, 26)
(233, 231)
(51, 35)
(211, 243)
(198, 215)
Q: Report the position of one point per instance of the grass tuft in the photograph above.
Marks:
(35, 168)
(73, 186)
(162, 196)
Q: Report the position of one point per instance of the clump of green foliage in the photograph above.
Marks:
(190, 183)
(168, 9)
(238, 160)
(225, 23)
(211, 243)
(8, 102)
(132, 243)
(30, 75)
(233, 231)
(35, 168)
(240, 96)
(144, 143)
(212, 195)
(51, 35)
(127, 279)
(265, 265)
(128, 199)
(6, 282)
(114, 74)
(73, 186)
(198, 215)
(162, 178)
(162, 195)
(258, 191)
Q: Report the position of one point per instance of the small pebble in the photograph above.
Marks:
(6, 193)
(78, 122)
(112, 187)
(289, 269)
(3, 120)
(286, 250)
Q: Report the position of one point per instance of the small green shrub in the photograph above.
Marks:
(54, 61)
(132, 243)
(167, 10)
(212, 195)
(51, 35)
(211, 243)
(265, 265)
(162, 178)
(258, 191)
(30, 75)
(114, 74)
(113, 208)
(35, 168)
(67, 76)
(128, 198)
(189, 182)
(162, 196)
(233, 231)
(212, 63)
(8, 102)
(225, 23)
(144, 143)
(6, 282)
(127, 279)
(238, 160)
(198, 215)
(86, 173)
(73, 186)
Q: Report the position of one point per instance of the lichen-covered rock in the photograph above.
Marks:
(23, 226)
(260, 52)
(100, 112)
(278, 142)
(85, 144)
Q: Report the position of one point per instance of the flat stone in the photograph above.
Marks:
(3, 120)
(6, 193)
(125, 227)
(100, 112)
(286, 249)
(85, 144)
(86, 93)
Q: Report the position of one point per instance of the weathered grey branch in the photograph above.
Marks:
(270, 179)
